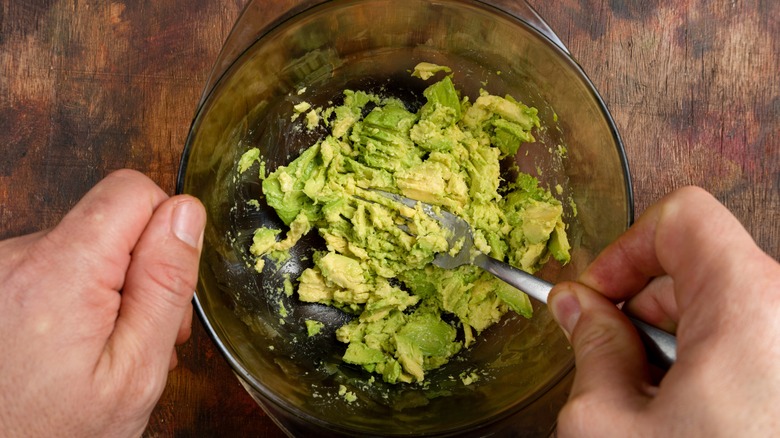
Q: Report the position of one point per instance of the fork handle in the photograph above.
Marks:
(534, 287)
(661, 347)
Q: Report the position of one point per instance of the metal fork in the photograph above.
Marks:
(661, 346)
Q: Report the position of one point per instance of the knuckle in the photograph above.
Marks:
(689, 192)
(599, 337)
(173, 277)
(126, 174)
(131, 180)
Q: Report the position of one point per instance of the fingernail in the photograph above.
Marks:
(566, 310)
(187, 223)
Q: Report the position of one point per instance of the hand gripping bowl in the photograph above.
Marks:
(279, 48)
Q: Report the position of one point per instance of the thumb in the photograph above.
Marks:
(159, 285)
(612, 380)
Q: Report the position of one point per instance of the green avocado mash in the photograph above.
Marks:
(447, 154)
(313, 328)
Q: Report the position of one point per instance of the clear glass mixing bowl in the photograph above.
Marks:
(279, 48)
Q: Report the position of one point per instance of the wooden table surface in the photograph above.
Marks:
(88, 87)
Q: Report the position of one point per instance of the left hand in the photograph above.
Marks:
(90, 311)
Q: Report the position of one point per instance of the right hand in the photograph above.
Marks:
(689, 267)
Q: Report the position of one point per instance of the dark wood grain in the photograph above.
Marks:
(693, 86)
(89, 87)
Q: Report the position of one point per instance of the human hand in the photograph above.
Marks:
(687, 266)
(91, 309)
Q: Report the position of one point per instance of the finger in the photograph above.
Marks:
(608, 351)
(656, 304)
(675, 237)
(612, 379)
(185, 329)
(174, 362)
(160, 283)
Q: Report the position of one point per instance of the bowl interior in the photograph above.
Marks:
(373, 45)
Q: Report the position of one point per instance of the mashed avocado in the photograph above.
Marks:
(411, 316)
(313, 327)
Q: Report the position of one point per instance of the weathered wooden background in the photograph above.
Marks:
(87, 87)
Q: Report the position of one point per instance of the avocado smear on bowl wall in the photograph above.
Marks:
(409, 315)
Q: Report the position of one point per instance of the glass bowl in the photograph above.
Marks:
(312, 51)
